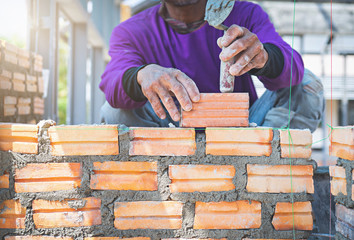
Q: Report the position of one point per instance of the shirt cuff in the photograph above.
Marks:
(274, 66)
(131, 86)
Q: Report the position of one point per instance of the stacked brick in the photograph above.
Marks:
(21, 85)
(342, 180)
(106, 182)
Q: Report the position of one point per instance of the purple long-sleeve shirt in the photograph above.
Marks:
(147, 39)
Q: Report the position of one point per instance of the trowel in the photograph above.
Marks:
(216, 12)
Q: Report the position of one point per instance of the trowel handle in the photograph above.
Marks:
(227, 81)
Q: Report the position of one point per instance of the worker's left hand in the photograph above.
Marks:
(245, 46)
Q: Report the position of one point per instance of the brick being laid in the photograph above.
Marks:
(162, 141)
(116, 238)
(21, 138)
(241, 214)
(297, 216)
(84, 140)
(218, 110)
(338, 180)
(4, 180)
(68, 213)
(41, 237)
(18, 82)
(10, 105)
(239, 141)
(5, 80)
(280, 178)
(136, 176)
(12, 214)
(295, 143)
(345, 221)
(201, 178)
(342, 142)
(47, 177)
(148, 215)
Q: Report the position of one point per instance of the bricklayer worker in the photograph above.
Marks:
(169, 50)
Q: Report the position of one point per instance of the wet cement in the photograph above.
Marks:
(109, 197)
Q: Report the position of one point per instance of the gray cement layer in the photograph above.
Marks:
(109, 197)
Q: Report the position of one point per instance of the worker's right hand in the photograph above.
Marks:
(158, 83)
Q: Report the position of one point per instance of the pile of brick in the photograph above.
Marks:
(342, 180)
(109, 182)
(21, 85)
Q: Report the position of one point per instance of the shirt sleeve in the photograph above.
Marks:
(260, 24)
(124, 55)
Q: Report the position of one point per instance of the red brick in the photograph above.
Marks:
(136, 176)
(20, 138)
(338, 180)
(54, 214)
(239, 141)
(162, 141)
(12, 214)
(84, 140)
(31, 83)
(241, 214)
(37, 238)
(277, 178)
(38, 104)
(117, 238)
(201, 178)
(218, 110)
(297, 216)
(5, 80)
(24, 106)
(345, 221)
(342, 142)
(4, 180)
(10, 105)
(47, 177)
(298, 146)
(148, 215)
(19, 82)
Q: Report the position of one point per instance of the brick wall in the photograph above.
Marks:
(106, 182)
(21, 85)
(342, 180)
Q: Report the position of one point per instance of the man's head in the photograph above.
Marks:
(181, 3)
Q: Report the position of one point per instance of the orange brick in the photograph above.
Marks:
(342, 142)
(10, 52)
(117, 238)
(24, 106)
(148, 215)
(298, 146)
(54, 214)
(10, 105)
(344, 223)
(38, 105)
(20, 138)
(5, 80)
(40, 84)
(277, 178)
(162, 141)
(201, 178)
(84, 140)
(241, 214)
(298, 216)
(36, 238)
(23, 62)
(218, 110)
(48, 177)
(239, 141)
(12, 214)
(4, 180)
(19, 82)
(193, 239)
(136, 176)
(338, 180)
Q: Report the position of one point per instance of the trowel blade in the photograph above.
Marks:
(217, 11)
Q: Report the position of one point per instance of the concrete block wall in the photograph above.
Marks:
(342, 180)
(110, 182)
(21, 85)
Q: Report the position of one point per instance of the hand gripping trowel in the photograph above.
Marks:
(216, 12)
